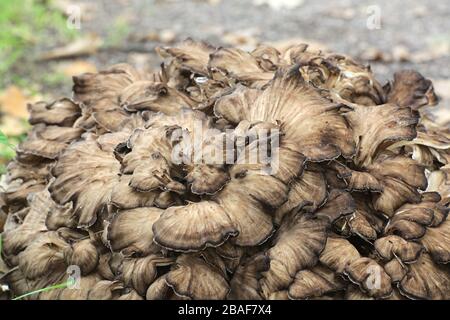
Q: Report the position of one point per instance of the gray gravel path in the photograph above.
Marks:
(419, 26)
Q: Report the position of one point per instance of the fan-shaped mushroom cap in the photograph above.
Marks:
(411, 221)
(246, 199)
(90, 88)
(166, 199)
(396, 270)
(191, 277)
(297, 246)
(60, 216)
(370, 276)
(87, 175)
(339, 74)
(391, 247)
(17, 239)
(48, 141)
(193, 227)
(237, 64)
(353, 82)
(356, 180)
(191, 55)
(376, 125)
(314, 283)
(245, 284)
(206, 179)
(308, 191)
(111, 290)
(99, 94)
(426, 280)
(267, 57)
(437, 242)
(139, 273)
(130, 231)
(124, 196)
(153, 96)
(62, 112)
(338, 253)
(44, 255)
(290, 101)
(149, 160)
(235, 106)
(410, 89)
(83, 254)
(85, 284)
(339, 203)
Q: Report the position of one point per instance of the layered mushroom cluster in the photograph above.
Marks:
(143, 183)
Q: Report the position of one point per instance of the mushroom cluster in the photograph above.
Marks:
(147, 184)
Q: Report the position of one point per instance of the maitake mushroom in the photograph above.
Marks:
(143, 182)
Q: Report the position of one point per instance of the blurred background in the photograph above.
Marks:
(44, 42)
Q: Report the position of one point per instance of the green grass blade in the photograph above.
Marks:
(56, 286)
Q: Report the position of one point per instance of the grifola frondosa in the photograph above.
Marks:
(146, 183)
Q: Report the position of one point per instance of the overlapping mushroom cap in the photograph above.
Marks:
(268, 174)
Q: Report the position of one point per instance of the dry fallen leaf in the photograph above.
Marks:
(12, 126)
(14, 103)
(76, 68)
(86, 45)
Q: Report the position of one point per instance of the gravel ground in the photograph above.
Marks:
(416, 26)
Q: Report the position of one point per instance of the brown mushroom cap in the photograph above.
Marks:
(426, 280)
(153, 96)
(237, 64)
(87, 174)
(245, 284)
(83, 254)
(375, 125)
(308, 191)
(139, 273)
(191, 278)
(48, 141)
(437, 242)
(338, 253)
(297, 246)
(410, 89)
(315, 283)
(191, 55)
(370, 276)
(328, 136)
(246, 199)
(130, 231)
(193, 227)
(62, 112)
(394, 246)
